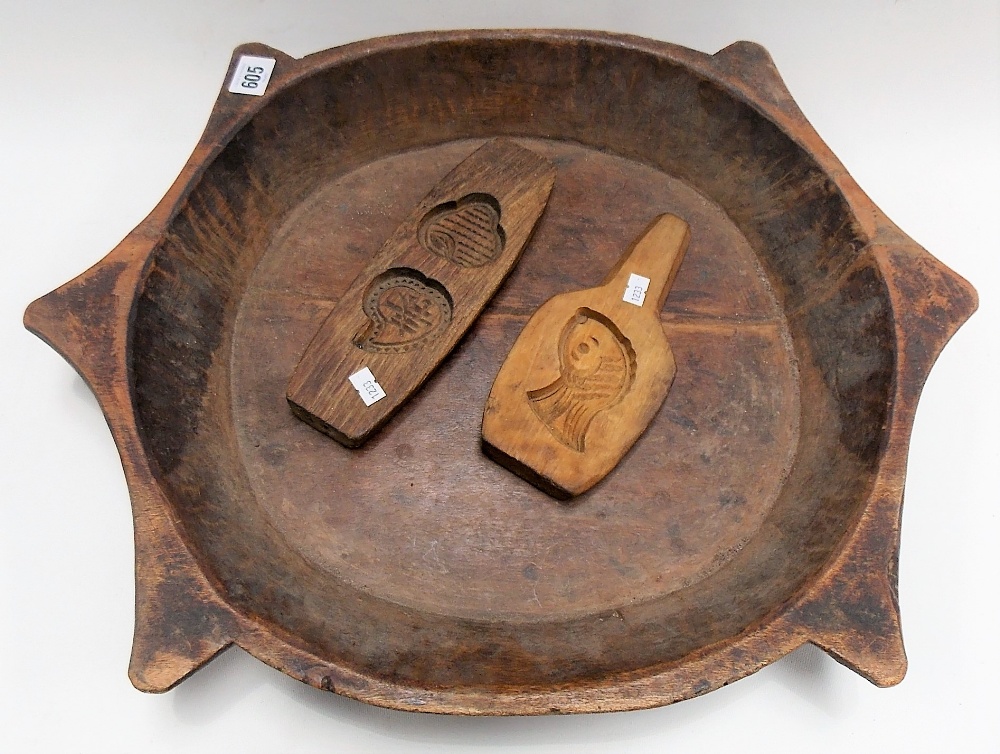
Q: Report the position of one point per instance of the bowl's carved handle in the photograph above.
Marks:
(853, 611)
(930, 303)
(180, 621)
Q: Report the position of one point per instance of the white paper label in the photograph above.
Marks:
(367, 386)
(635, 291)
(251, 75)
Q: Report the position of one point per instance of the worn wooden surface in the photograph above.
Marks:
(589, 371)
(761, 510)
(419, 294)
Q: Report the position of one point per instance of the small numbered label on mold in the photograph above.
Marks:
(251, 75)
(635, 291)
(367, 386)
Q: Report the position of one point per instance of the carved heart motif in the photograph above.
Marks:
(466, 232)
(405, 309)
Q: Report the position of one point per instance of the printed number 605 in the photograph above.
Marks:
(251, 79)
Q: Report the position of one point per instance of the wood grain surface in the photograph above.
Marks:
(418, 295)
(761, 509)
(589, 371)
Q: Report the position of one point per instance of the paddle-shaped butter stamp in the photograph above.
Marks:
(588, 372)
(421, 291)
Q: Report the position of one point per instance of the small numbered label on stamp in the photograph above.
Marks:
(252, 75)
(367, 386)
(635, 291)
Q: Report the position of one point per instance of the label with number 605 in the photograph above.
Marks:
(251, 76)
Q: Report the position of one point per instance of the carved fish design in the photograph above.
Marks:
(405, 309)
(466, 232)
(596, 370)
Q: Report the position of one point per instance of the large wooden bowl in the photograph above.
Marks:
(759, 511)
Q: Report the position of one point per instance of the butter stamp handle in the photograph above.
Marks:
(647, 270)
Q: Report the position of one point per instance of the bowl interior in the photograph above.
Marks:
(417, 560)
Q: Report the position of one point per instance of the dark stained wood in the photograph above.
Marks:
(760, 509)
(589, 371)
(419, 294)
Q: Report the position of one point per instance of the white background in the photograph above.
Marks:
(100, 105)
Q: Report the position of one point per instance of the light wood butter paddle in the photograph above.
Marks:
(588, 372)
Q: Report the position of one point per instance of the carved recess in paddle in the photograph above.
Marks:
(466, 232)
(596, 369)
(589, 371)
(420, 292)
(404, 309)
